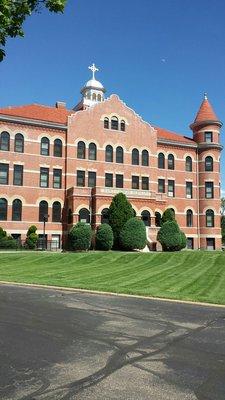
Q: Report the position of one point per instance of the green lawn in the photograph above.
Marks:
(197, 275)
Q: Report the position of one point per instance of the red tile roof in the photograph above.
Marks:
(38, 112)
(172, 136)
(206, 112)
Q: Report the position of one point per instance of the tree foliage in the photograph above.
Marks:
(32, 238)
(120, 211)
(104, 237)
(80, 236)
(14, 12)
(7, 242)
(133, 235)
(223, 228)
(168, 215)
(171, 237)
(223, 206)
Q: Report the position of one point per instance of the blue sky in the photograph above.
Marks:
(158, 56)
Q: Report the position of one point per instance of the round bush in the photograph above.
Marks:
(133, 235)
(80, 237)
(104, 237)
(171, 237)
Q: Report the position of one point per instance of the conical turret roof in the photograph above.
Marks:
(205, 112)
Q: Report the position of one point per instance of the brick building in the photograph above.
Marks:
(66, 165)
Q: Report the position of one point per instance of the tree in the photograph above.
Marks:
(223, 206)
(133, 235)
(168, 215)
(120, 211)
(223, 228)
(80, 236)
(32, 238)
(104, 237)
(171, 237)
(14, 12)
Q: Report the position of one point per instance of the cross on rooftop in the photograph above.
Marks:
(93, 69)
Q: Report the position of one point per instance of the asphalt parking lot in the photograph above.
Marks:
(66, 345)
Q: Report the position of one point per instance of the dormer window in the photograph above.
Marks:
(114, 123)
(106, 123)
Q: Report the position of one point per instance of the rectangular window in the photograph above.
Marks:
(18, 175)
(210, 243)
(91, 179)
(135, 182)
(189, 190)
(161, 185)
(190, 243)
(44, 177)
(145, 183)
(119, 181)
(81, 178)
(209, 190)
(109, 180)
(4, 174)
(171, 188)
(208, 137)
(57, 178)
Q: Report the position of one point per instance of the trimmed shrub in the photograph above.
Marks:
(223, 228)
(168, 215)
(80, 236)
(120, 211)
(2, 233)
(133, 235)
(7, 242)
(104, 237)
(171, 237)
(32, 238)
(183, 240)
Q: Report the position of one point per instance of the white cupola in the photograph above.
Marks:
(93, 91)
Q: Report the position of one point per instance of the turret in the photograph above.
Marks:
(206, 133)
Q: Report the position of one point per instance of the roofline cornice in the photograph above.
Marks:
(206, 146)
(174, 143)
(34, 122)
(199, 124)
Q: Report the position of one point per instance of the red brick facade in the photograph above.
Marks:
(185, 176)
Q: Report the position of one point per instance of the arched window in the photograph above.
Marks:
(89, 96)
(99, 97)
(92, 151)
(81, 150)
(119, 155)
(56, 211)
(17, 210)
(188, 164)
(170, 161)
(45, 144)
(58, 148)
(146, 217)
(209, 164)
(114, 123)
(122, 126)
(3, 209)
(189, 218)
(19, 143)
(158, 219)
(43, 210)
(5, 141)
(145, 158)
(135, 157)
(84, 215)
(94, 96)
(161, 161)
(106, 123)
(109, 153)
(105, 216)
(210, 218)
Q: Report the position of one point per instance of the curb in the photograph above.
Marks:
(77, 290)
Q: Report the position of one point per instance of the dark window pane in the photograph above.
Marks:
(161, 185)
(91, 179)
(135, 182)
(5, 141)
(57, 178)
(19, 143)
(145, 183)
(114, 123)
(146, 217)
(84, 215)
(81, 178)
(3, 209)
(122, 126)
(56, 212)
(210, 218)
(170, 161)
(171, 188)
(81, 150)
(119, 155)
(57, 148)
(145, 158)
(135, 157)
(109, 180)
(190, 243)
(44, 177)
(209, 190)
(17, 210)
(92, 152)
(109, 154)
(209, 164)
(208, 137)
(18, 175)
(4, 174)
(189, 190)
(158, 219)
(119, 181)
(189, 217)
(106, 123)
(43, 211)
(105, 216)
(188, 164)
(161, 161)
(45, 145)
